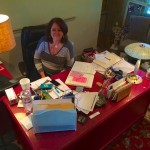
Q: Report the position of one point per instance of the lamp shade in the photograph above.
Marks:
(138, 50)
(7, 41)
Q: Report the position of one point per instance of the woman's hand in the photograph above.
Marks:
(42, 74)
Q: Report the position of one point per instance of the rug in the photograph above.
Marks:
(135, 138)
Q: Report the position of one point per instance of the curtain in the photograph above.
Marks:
(147, 1)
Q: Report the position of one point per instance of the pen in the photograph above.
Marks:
(107, 58)
(57, 90)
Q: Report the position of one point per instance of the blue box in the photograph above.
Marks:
(51, 117)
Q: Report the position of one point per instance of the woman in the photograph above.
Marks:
(54, 52)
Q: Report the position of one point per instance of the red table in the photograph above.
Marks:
(113, 120)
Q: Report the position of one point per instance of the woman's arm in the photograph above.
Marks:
(70, 56)
(37, 57)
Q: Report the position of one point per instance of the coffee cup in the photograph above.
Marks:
(25, 83)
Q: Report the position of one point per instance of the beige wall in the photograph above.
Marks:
(83, 30)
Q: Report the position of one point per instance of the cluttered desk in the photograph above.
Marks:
(88, 121)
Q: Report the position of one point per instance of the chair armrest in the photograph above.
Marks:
(22, 68)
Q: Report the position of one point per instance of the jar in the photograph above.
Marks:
(27, 101)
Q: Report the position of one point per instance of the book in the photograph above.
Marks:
(81, 74)
(106, 59)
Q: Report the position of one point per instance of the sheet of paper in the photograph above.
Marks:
(26, 122)
(55, 93)
(37, 83)
(63, 86)
(125, 66)
(59, 91)
(87, 84)
(76, 74)
(106, 59)
(86, 101)
(83, 67)
(20, 104)
(87, 72)
(81, 79)
(98, 68)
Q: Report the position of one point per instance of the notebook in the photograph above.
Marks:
(106, 59)
(81, 74)
(6, 82)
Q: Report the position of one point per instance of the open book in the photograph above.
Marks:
(81, 74)
(106, 59)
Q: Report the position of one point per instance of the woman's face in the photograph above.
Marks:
(56, 32)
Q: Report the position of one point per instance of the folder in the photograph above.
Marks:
(54, 115)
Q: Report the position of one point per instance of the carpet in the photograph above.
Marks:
(8, 141)
(135, 138)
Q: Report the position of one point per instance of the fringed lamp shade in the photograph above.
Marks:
(7, 41)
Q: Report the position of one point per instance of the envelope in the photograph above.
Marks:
(53, 115)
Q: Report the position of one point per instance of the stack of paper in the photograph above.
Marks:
(36, 84)
(27, 122)
(85, 102)
(81, 74)
(125, 66)
(106, 59)
(60, 90)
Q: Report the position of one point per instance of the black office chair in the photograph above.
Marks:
(29, 39)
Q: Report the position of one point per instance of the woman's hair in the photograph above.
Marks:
(63, 26)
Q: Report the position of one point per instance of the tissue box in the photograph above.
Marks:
(54, 115)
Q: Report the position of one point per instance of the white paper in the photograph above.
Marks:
(20, 104)
(98, 68)
(85, 101)
(106, 59)
(37, 83)
(59, 91)
(63, 86)
(26, 122)
(125, 66)
(83, 67)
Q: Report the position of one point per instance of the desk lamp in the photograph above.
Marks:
(7, 41)
(140, 51)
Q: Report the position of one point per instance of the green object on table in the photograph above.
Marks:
(46, 86)
(46, 95)
(101, 101)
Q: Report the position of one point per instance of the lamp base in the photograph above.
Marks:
(135, 79)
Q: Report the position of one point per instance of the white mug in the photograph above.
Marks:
(25, 83)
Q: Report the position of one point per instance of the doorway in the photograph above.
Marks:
(112, 12)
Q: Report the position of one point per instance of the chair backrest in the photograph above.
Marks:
(139, 28)
(29, 39)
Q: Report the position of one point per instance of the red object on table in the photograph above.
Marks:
(113, 120)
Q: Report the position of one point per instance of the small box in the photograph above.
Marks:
(11, 95)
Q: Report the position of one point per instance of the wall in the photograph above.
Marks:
(83, 30)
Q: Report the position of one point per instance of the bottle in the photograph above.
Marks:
(27, 101)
